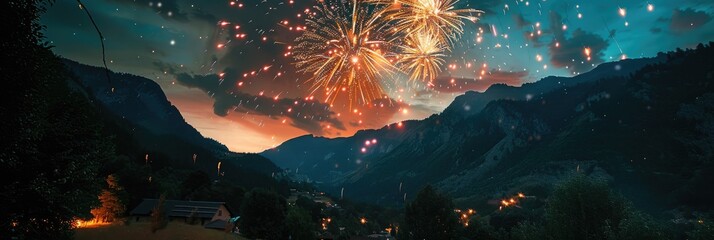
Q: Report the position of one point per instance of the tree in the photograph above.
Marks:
(158, 215)
(703, 229)
(298, 224)
(52, 141)
(112, 205)
(430, 216)
(314, 209)
(582, 208)
(194, 182)
(263, 215)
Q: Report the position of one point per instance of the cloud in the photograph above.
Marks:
(454, 84)
(488, 6)
(168, 9)
(570, 52)
(311, 116)
(534, 38)
(688, 19)
(520, 20)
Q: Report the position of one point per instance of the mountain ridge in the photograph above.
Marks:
(140, 106)
(520, 143)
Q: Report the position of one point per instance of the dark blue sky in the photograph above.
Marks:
(182, 45)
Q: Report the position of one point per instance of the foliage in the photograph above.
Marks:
(263, 215)
(159, 218)
(430, 216)
(527, 231)
(582, 208)
(112, 205)
(480, 229)
(52, 143)
(298, 224)
(638, 226)
(704, 229)
(313, 209)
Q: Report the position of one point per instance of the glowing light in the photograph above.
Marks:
(622, 12)
(353, 65)
(422, 56)
(439, 17)
(650, 7)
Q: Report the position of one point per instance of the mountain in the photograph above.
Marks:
(472, 102)
(137, 112)
(643, 124)
(339, 156)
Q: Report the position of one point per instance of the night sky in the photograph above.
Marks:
(228, 68)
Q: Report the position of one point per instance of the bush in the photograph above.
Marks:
(158, 215)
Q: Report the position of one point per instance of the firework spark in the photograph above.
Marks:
(438, 17)
(337, 49)
(422, 57)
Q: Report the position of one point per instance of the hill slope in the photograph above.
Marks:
(645, 130)
(149, 129)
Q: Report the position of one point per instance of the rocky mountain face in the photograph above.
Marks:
(138, 112)
(642, 124)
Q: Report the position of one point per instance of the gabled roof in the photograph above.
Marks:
(176, 208)
(216, 224)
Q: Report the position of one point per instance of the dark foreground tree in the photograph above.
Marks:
(159, 218)
(52, 143)
(430, 216)
(298, 224)
(582, 208)
(263, 215)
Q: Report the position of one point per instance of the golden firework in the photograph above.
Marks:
(422, 57)
(438, 17)
(341, 53)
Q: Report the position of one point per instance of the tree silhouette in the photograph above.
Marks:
(582, 208)
(263, 215)
(158, 215)
(52, 142)
(298, 224)
(430, 216)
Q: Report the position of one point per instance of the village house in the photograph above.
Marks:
(213, 215)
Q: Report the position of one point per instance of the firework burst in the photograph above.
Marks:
(438, 17)
(344, 52)
(422, 57)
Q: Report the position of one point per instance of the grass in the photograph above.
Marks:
(142, 230)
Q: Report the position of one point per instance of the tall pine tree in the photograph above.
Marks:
(52, 144)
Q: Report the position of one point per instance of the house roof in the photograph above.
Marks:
(176, 208)
(216, 224)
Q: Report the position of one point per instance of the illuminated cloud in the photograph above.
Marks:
(688, 19)
(311, 116)
(454, 84)
(570, 52)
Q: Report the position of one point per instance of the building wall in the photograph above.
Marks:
(222, 214)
